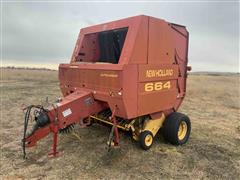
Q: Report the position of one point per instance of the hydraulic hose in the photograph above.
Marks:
(26, 120)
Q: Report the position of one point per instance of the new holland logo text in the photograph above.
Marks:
(159, 73)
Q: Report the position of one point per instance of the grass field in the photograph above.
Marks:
(213, 150)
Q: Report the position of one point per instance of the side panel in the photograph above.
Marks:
(168, 45)
(117, 87)
(157, 88)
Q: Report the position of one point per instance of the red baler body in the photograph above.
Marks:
(136, 67)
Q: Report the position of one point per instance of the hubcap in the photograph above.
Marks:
(182, 130)
(148, 140)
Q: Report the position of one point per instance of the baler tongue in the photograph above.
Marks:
(59, 117)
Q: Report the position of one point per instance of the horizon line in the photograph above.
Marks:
(56, 69)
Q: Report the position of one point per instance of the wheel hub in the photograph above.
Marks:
(182, 131)
(148, 140)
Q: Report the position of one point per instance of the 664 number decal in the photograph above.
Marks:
(157, 86)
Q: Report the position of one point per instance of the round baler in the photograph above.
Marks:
(129, 74)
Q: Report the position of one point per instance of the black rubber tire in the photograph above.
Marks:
(142, 137)
(171, 126)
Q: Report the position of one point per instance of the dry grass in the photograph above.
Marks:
(213, 151)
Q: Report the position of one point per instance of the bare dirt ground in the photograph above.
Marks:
(213, 150)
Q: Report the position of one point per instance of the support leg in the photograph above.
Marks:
(54, 151)
(116, 134)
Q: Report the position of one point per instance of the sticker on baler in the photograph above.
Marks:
(109, 75)
(67, 112)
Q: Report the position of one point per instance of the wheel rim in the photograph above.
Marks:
(148, 140)
(182, 130)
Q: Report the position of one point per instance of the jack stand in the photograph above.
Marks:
(54, 152)
(113, 140)
(116, 134)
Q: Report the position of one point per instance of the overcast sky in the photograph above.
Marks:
(45, 33)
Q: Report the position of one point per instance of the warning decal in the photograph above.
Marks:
(67, 112)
